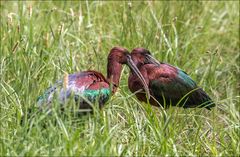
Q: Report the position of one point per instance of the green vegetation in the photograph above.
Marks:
(42, 40)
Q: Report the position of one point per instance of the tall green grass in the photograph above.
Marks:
(42, 40)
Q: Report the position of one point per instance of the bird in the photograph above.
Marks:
(89, 87)
(168, 85)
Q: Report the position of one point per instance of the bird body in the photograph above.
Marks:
(90, 85)
(168, 85)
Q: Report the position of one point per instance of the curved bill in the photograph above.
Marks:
(152, 60)
(133, 67)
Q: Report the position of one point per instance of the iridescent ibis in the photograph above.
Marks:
(91, 86)
(168, 85)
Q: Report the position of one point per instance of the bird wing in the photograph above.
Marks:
(174, 84)
(170, 81)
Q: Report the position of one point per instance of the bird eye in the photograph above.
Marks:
(116, 86)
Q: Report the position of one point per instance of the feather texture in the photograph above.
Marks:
(89, 85)
(168, 85)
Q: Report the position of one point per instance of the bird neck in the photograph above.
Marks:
(114, 69)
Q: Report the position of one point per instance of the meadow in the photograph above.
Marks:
(40, 41)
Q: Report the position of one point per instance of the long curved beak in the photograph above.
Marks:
(152, 60)
(133, 67)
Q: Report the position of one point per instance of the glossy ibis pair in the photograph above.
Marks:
(160, 83)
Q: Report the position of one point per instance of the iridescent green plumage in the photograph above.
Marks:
(86, 88)
(94, 94)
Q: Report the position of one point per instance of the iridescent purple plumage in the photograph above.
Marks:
(168, 85)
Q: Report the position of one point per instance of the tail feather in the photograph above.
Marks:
(201, 99)
(47, 96)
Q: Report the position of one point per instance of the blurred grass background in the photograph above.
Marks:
(42, 40)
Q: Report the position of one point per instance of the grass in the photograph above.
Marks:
(40, 41)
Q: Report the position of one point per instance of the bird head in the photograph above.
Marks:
(119, 55)
(116, 58)
(141, 56)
